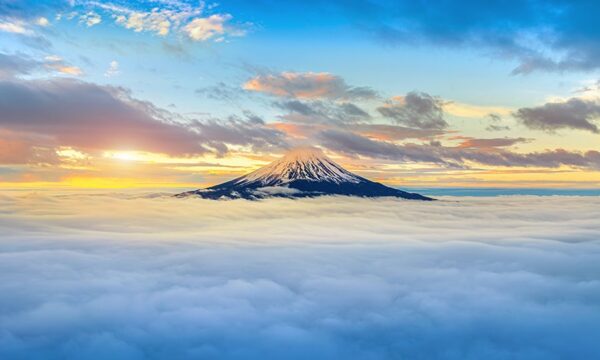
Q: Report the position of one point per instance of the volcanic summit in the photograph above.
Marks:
(302, 172)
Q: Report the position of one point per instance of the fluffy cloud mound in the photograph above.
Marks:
(92, 276)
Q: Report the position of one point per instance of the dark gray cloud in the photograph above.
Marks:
(417, 110)
(495, 123)
(324, 112)
(329, 278)
(251, 130)
(575, 113)
(353, 144)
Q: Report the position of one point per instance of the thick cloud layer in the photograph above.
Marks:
(123, 277)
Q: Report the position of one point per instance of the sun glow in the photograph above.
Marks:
(123, 155)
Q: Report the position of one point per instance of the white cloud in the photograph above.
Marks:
(90, 18)
(157, 22)
(42, 21)
(106, 275)
(174, 17)
(56, 63)
(202, 29)
(15, 27)
(20, 27)
(113, 69)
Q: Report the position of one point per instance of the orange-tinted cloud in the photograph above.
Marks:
(309, 85)
(293, 130)
(17, 148)
(394, 132)
(90, 116)
(490, 143)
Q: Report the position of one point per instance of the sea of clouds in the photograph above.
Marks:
(114, 276)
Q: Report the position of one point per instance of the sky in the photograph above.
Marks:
(185, 94)
(89, 277)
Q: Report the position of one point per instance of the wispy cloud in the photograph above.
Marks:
(15, 27)
(113, 69)
(172, 17)
(16, 65)
(90, 18)
(56, 63)
(309, 85)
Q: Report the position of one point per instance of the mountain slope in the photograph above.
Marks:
(304, 172)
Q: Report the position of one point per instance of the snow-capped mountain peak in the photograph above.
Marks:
(302, 172)
(309, 164)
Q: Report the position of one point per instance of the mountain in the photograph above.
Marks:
(303, 172)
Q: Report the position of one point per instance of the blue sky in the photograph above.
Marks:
(480, 64)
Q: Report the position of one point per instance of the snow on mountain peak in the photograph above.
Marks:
(307, 163)
(302, 172)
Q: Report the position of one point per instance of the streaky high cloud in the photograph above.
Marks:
(308, 85)
(125, 276)
(417, 110)
(575, 113)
